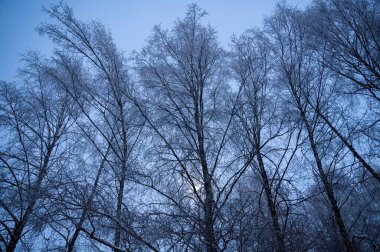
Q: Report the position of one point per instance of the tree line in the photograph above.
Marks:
(269, 145)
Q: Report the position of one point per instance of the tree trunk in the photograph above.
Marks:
(35, 193)
(78, 227)
(208, 208)
(327, 186)
(271, 205)
(119, 207)
(367, 166)
(122, 178)
(211, 245)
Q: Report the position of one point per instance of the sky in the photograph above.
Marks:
(130, 22)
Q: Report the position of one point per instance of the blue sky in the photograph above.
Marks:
(130, 21)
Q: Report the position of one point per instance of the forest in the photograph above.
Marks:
(271, 144)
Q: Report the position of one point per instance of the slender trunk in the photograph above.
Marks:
(211, 245)
(208, 208)
(271, 204)
(270, 200)
(19, 227)
(72, 240)
(367, 166)
(119, 206)
(122, 179)
(327, 186)
(35, 194)
(78, 227)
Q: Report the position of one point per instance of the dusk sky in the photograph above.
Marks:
(130, 22)
(148, 125)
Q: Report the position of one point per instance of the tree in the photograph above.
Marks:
(37, 119)
(260, 121)
(189, 110)
(104, 104)
(346, 36)
(350, 32)
(186, 146)
(288, 36)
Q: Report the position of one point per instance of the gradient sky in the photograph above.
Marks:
(130, 22)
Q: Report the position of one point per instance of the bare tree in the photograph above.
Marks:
(296, 72)
(350, 30)
(189, 109)
(185, 146)
(261, 124)
(104, 105)
(36, 117)
(345, 34)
